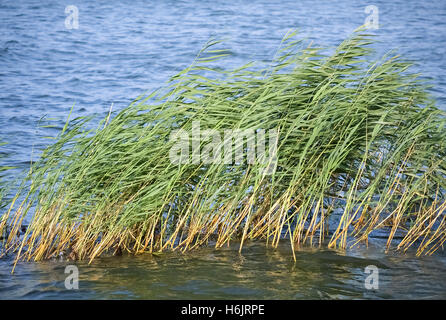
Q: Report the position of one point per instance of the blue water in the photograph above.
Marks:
(122, 49)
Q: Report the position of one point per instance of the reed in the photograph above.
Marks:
(360, 147)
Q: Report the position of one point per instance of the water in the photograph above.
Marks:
(256, 273)
(123, 49)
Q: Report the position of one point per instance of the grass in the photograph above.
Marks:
(361, 147)
(3, 188)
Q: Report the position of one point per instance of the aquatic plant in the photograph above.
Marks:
(3, 189)
(360, 147)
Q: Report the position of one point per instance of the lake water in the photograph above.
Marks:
(122, 49)
(257, 273)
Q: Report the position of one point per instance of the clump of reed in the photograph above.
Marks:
(360, 147)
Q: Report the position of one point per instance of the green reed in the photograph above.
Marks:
(360, 147)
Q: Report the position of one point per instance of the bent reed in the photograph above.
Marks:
(360, 147)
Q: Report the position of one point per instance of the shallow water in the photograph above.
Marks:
(123, 49)
(255, 273)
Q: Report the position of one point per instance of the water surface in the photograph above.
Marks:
(257, 272)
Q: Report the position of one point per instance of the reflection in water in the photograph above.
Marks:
(256, 273)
